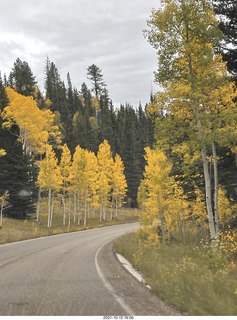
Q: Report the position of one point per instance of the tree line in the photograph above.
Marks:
(63, 115)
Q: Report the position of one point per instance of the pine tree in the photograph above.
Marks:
(16, 170)
(94, 74)
(22, 79)
(227, 13)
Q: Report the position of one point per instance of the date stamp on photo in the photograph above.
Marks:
(118, 317)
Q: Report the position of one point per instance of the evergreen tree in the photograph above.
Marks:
(16, 173)
(94, 74)
(227, 13)
(22, 79)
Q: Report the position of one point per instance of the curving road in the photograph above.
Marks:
(59, 275)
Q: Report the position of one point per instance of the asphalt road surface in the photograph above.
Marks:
(73, 274)
(59, 275)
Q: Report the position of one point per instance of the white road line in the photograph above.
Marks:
(108, 286)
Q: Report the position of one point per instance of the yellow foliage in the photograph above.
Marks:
(35, 125)
(2, 152)
(49, 176)
(119, 183)
(105, 171)
(226, 208)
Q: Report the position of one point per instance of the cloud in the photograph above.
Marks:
(77, 33)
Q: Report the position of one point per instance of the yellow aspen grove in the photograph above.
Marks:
(64, 166)
(119, 184)
(196, 92)
(105, 174)
(49, 179)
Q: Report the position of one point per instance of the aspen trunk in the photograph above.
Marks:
(49, 207)
(162, 219)
(85, 212)
(52, 207)
(216, 189)
(116, 208)
(88, 210)
(203, 151)
(1, 210)
(74, 207)
(38, 205)
(69, 210)
(111, 211)
(79, 210)
(101, 210)
(208, 195)
(104, 211)
(64, 205)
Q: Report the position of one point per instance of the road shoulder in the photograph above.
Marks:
(132, 291)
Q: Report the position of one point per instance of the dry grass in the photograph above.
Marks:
(16, 230)
(193, 281)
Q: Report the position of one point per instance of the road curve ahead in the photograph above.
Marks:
(59, 275)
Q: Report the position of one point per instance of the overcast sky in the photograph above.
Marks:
(77, 33)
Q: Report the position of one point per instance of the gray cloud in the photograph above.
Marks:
(76, 33)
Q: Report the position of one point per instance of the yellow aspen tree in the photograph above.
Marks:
(35, 125)
(49, 179)
(177, 213)
(119, 184)
(77, 179)
(105, 173)
(158, 183)
(90, 182)
(64, 166)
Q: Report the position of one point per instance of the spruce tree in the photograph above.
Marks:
(16, 173)
(22, 79)
(227, 13)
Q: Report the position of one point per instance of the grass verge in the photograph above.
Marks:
(194, 281)
(17, 230)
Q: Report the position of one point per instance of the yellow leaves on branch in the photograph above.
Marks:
(105, 171)
(49, 177)
(2, 152)
(119, 182)
(35, 125)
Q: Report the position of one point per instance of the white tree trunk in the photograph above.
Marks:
(85, 212)
(216, 188)
(74, 206)
(1, 210)
(64, 205)
(69, 210)
(49, 207)
(52, 207)
(38, 205)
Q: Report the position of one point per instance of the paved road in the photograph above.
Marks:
(59, 275)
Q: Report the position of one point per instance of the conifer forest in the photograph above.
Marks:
(174, 158)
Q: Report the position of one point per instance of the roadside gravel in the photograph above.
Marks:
(136, 295)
